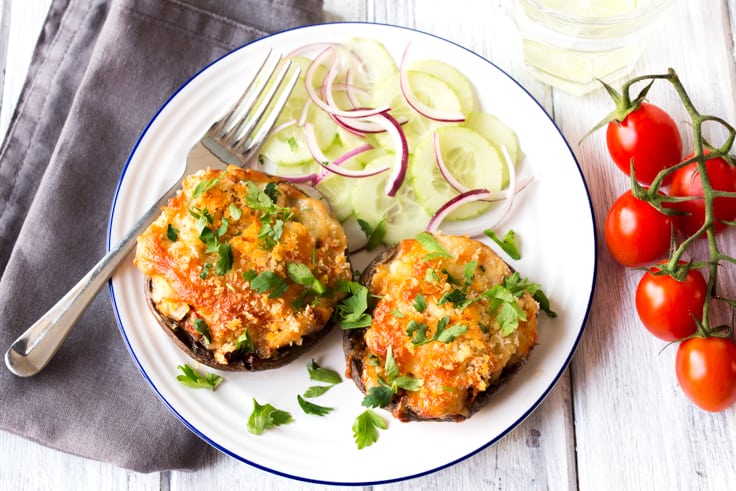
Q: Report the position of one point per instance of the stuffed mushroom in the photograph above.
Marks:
(241, 269)
(450, 322)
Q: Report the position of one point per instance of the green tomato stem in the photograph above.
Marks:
(654, 197)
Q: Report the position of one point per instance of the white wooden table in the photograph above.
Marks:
(616, 419)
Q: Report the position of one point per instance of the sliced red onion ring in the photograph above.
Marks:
(509, 201)
(416, 104)
(446, 174)
(352, 153)
(333, 167)
(309, 79)
(301, 50)
(453, 204)
(310, 178)
(401, 150)
(471, 195)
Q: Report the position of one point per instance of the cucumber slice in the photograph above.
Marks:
(497, 132)
(471, 159)
(288, 146)
(430, 90)
(376, 63)
(339, 189)
(403, 215)
(453, 78)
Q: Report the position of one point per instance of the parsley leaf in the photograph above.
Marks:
(171, 233)
(319, 374)
(502, 303)
(431, 275)
(443, 334)
(420, 303)
(225, 263)
(265, 417)
(302, 275)
(375, 235)
(455, 296)
(507, 243)
(235, 212)
(268, 281)
(378, 396)
(191, 378)
(245, 343)
(469, 272)
(273, 216)
(365, 428)
(312, 408)
(518, 285)
(202, 328)
(418, 331)
(381, 395)
(448, 335)
(205, 186)
(432, 246)
(351, 311)
(316, 390)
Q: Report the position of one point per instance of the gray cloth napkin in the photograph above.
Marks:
(99, 73)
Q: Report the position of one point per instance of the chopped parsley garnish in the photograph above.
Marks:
(192, 378)
(420, 303)
(211, 239)
(319, 374)
(455, 297)
(502, 303)
(375, 235)
(266, 282)
(351, 311)
(432, 246)
(202, 328)
(518, 285)
(205, 186)
(293, 145)
(225, 263)
(312, 408)
(235, 212)
(273, 216)
(507, 243)
(302, 275)
(172, 233)
(469, 272)
(443, 334)
(265, 417)
(365, 428)
(245, 343)
(431, 275)
(381, 395)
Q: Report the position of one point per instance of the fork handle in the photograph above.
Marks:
(33, 350)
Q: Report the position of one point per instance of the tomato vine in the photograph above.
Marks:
(702, 152)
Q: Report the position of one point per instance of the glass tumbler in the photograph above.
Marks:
(571, 43)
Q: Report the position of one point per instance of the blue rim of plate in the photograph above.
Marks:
(511, 427)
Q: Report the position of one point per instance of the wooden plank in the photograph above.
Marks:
(634, 427)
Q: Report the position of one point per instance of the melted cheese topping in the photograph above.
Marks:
(452, 373)
(186, 285)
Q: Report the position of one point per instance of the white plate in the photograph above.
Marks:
(553, 220)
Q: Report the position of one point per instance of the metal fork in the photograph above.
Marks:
(233, 139)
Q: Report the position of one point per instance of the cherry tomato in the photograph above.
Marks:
(636, 233)
(706, 371)
(686, 182)
(650, 137)
(666, 306)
